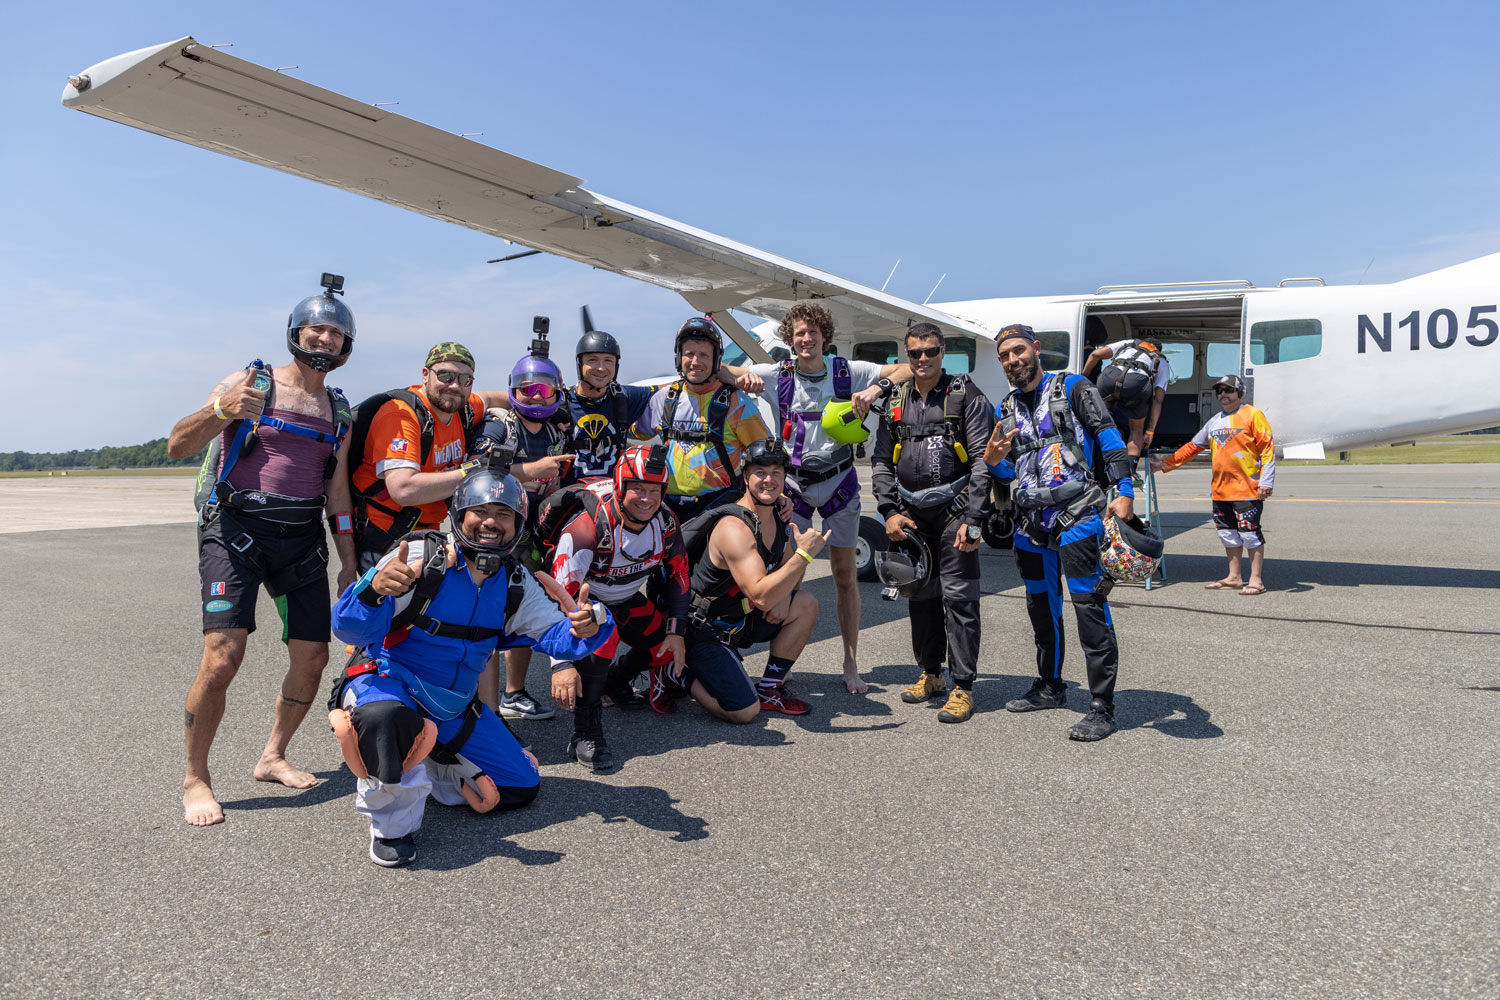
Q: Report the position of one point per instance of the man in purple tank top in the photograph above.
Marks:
(276, 464)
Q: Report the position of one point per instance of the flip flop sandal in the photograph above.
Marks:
(1252, 591)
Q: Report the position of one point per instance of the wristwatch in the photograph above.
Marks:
(972, 532)
(886, 386)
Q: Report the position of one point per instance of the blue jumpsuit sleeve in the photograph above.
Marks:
(560, 643)
(362, 621)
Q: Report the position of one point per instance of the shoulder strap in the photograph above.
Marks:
(515, 587)
(434, 568)
(718, 415)
(786, 388)
(665, 424)
(954, 400)
(622, 416)
(843, 381)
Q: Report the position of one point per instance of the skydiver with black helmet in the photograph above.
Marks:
(406, 710)
(275, 466)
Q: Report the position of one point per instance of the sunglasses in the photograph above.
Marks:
(448, 378)
(918, 353)
(534, 390)
(1224, 390)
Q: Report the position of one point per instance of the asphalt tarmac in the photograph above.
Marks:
(1301, 801)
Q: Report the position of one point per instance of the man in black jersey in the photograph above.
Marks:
(744, 591)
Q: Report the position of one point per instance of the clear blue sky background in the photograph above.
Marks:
(1022, 149)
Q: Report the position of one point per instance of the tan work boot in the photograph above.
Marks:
(959, 707)
(927, 686)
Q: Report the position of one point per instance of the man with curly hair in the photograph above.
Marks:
(823, 478)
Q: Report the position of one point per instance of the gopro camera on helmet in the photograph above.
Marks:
(540, 327)
(333, 282)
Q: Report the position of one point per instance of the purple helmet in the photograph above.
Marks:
(536, 387)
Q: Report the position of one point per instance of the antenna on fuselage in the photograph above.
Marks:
(888, 277)
(934, 289)
(1366, 271)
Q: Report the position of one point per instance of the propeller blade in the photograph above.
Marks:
(588, 319)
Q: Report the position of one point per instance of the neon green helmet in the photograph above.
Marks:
(843, 424)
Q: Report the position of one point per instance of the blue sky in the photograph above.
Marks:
(1021, 149)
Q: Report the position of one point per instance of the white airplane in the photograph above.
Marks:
(1333, 367)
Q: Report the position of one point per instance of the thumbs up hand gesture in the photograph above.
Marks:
(580, 610)
(398, 575)
(243, 401)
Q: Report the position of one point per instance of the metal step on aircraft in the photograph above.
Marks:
(1335, 367)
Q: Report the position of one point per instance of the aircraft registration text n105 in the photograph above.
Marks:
(1441, 328)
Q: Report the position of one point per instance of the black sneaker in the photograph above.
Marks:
(1042, 695)
(591, 752)
(392, 852)
(1099, 723)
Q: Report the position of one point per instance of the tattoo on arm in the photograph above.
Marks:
(187, 719)
(294, 701)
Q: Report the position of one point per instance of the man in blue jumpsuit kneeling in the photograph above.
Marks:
(426, 618)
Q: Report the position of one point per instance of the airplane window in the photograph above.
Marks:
(959, 360)
(1054, 345)
(1286, 340)
(780, 353)
(734, 354)
(1223, 359)
(881, 352)
(1180, 357)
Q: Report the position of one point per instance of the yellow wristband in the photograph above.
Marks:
(805, 554)
(218, 412)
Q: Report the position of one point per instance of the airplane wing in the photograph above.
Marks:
(198, 95)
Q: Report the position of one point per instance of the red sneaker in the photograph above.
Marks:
(657, 695)
(779, 699)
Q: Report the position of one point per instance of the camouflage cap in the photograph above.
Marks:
(449, 350)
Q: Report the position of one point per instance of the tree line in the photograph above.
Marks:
(151, 455)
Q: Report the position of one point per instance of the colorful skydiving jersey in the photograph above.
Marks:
(694, 467)
(594, 432)
(631, 556)
(1243, 454)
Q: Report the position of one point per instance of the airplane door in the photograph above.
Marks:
(1247, 369)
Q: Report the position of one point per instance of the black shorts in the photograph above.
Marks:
(1126, 392)
(720, 668)
(1240, 515)
(231, 584)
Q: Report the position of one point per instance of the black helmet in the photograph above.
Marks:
(766, 451)
(321, 310)
(598, 342)
(904, 567)
(1130, 551)
(479, 487)
(699, 328)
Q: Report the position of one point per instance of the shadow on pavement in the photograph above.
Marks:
(456, 837)
(331, 785)
(1167, 713)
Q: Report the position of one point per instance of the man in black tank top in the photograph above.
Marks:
(744, 591)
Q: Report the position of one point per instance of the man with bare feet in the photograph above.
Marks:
(744, 591)
(276, 463)
(821, 402)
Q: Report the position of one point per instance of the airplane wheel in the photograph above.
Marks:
(871, 540)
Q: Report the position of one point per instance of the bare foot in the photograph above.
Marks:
(1225, 584)
(199, 806)
(277, 769)
(853, 682)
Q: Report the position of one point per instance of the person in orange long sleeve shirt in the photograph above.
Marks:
(1244, 472)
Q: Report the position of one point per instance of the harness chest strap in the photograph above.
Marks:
(952, 427)
(718, 415)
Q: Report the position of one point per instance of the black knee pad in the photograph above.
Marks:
(386, 731)
(516, 796)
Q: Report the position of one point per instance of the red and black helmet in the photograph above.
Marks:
(641, 464)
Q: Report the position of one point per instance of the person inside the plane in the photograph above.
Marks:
(1244, 472)
(1134, 384)
(930, 481)
(1054, 440)
(823, 478)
